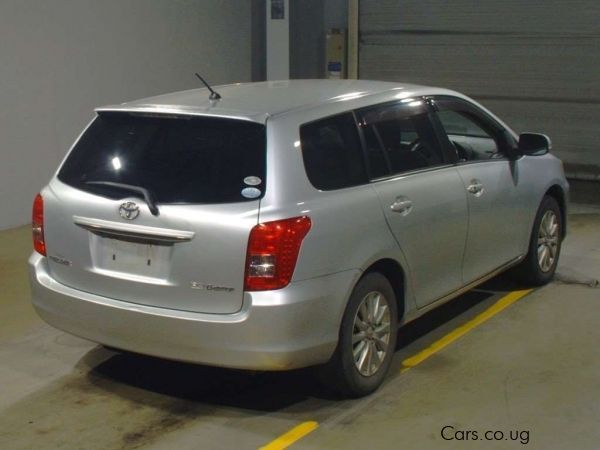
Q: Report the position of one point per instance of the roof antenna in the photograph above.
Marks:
(213, 94)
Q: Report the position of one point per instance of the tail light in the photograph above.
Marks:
(37, 225)
(273, 249)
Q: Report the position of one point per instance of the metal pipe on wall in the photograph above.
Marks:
(353, 15)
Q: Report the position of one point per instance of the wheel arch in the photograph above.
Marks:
(395, 274)
(557, 193)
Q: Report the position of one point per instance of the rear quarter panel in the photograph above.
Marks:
(348, 230)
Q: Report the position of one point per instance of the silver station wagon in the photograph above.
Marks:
(288, 224)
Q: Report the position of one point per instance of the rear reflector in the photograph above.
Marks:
(273, 249)
(37, 225)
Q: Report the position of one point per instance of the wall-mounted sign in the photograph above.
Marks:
(277, 9)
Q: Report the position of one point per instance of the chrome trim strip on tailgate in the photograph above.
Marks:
(133, 231)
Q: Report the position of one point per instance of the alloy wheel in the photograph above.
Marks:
(371, 333)
(547, 245)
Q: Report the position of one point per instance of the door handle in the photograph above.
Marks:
(402, 205)
(475, 188)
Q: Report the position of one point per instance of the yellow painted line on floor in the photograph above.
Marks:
(299, 431)
(287, 439)
(448, 339)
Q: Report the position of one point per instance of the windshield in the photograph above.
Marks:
(178, 159)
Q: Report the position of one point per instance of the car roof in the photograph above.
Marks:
(260, 100)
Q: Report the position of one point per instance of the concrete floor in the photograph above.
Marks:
(532, 369)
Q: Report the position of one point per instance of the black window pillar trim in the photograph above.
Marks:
(443, 139)
(363, 147)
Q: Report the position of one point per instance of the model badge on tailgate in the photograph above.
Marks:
(210, 287)
(60, 260)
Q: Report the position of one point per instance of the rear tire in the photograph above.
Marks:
(541, 260)
(367, 339)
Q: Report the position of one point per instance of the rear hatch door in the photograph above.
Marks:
(157, 210)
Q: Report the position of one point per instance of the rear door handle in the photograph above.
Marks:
(402, 205)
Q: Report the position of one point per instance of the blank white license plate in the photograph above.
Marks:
(131, 257)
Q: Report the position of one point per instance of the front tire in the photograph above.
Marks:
(540, 263)
(367, 339)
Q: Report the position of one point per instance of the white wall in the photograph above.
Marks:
(61, 58)
(278, 44)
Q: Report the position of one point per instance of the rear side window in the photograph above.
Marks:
(179, 160)
(400, 138)
(332, 153)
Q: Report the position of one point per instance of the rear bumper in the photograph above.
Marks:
(275, 330)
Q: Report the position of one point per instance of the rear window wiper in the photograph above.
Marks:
(147, 195)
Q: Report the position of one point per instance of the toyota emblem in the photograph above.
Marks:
(129, 210)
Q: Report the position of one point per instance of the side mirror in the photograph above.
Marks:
(534, 144)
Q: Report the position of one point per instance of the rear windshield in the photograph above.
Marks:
(177, 159)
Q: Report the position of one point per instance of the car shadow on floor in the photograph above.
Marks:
(260, 391)
(465, 305)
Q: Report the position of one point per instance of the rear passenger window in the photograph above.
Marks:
(400, 138)
(332, 153)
